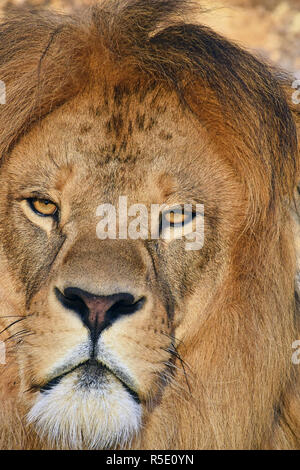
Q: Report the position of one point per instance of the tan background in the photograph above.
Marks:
(270, 28)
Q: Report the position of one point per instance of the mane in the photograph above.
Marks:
(46, 59)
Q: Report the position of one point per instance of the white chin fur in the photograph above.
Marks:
(74, 417)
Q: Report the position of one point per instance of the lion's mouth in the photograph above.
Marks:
(91, 374)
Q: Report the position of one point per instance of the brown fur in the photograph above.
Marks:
(211, 353)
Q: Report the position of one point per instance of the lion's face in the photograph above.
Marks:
(103, 315)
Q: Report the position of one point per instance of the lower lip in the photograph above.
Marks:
(92, 375)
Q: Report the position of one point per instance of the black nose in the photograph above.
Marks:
(98, 312)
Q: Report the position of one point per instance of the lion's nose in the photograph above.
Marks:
(98, 312)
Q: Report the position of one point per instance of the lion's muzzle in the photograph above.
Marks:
(98, 312)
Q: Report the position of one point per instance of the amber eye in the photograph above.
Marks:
(178, 217)
(43, 207)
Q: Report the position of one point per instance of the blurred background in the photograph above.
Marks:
(269, 28)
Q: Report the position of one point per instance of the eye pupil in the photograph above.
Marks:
(177, 217)
(43, 207)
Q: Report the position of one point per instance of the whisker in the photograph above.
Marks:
(178, 369)
(185, 375)
(11, 316)
(13, 323)
(173, 338)
(173, 350)
(19, 334)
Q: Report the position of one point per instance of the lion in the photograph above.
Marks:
(139, 342)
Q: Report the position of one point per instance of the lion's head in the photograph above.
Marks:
(139, 341)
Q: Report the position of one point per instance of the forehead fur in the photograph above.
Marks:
(133, 46)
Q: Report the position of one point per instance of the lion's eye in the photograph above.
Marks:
(43, 207)
(178, 217)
